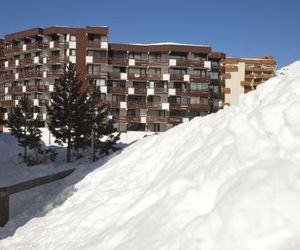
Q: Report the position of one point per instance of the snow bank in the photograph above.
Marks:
(228, 181)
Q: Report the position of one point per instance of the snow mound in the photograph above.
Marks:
(227, 181)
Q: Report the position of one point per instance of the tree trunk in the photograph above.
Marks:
(68, 151)
(93, 144)
(25, 154)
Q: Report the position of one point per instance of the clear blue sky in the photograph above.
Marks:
(241, 28)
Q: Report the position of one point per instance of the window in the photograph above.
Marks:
(214, 75)
(72, 38)
(154, 71)
(199, 86)
(72, 52)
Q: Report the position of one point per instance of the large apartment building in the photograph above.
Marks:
(245, 74)
(149, 87)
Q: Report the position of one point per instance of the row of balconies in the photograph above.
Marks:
(151, 119)
(30, 75)
(154, 91)
(36, 61)
(185, 63)
(260, 69)
(35, 47)
(158, 106)
(259, 76)
(26, 89)
(149, 77)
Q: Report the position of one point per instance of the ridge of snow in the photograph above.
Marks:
(169, 43)
(226, 181)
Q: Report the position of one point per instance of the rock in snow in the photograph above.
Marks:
(227, 181)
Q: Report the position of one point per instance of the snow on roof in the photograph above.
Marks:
(169, 43)
(226, 181)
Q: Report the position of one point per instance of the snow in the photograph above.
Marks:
(227, 181)
(169, 43)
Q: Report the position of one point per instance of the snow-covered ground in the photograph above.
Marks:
(227, 181)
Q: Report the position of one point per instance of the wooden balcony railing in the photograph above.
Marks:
(142, 77)
(33, 74)
(99, 60)
(117, 61)
(160, 91)
(57, 59)
(176, 77)
(140, 91)
(178, 106)
(136, 105)
(153, 77)
(117, 90)
(199, 107)
(157, 119)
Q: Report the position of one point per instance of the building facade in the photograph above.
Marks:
(245, 74)
(149, 87)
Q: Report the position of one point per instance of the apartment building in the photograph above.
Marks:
(149, 87)
(245, 74)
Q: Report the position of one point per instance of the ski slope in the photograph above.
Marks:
(227, 181)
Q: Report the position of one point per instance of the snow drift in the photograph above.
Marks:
(227, 181)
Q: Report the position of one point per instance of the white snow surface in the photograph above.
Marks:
(227, 181)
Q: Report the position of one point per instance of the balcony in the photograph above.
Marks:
(141, 77)
(118, 61)
(199, 92)
(140, 91)
(57, 59)
(96, 74)
(157, 119)
(35, 46)
(182, 92)
(199, 78)
(160, 91)
(54, 73)
(154, 77)
(260, 69)
(8, 103)
(189, 63)
(136, 105)
(250, 84)
(114, 75)
(99, 60)
(174, 120)
(176, 77)
(126, 119)
(36, 88)
(199, 107)
(12, 49)
(154, 106)
(227, 90)
(258, 76)
(117, 90)
(7, 78)
(178, 106)
(231, 68)
(140, 62)
(30, 75)
(56, 45)
(17, 89)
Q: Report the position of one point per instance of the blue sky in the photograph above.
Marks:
(243, 28)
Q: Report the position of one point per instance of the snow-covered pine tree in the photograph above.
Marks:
(102, 131)
(66, 110)
(24, 126)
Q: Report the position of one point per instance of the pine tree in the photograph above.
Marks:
(24, 127)
(66, 111)
(102, 132)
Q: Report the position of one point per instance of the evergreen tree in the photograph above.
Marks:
(66, 110)
(102, 132)
(24, 127)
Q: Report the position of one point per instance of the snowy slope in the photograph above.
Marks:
(228, 181)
